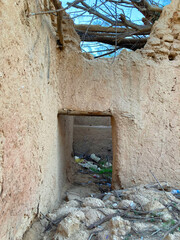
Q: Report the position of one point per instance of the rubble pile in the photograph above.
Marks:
(141, 212)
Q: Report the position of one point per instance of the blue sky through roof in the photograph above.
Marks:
(85, 18)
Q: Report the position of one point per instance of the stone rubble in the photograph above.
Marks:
(134, 213)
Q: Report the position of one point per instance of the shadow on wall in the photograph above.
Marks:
(65, 142)
(93, 134)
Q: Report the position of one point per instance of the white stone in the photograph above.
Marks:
(140, 199)
(68, 226)
(175, 236)
(72, 196)
(78, 215)
(93, 202)
(61, 212)
(142, 227)
(35, 232)
(166, 216)
(119, 226)
(153, 206)
(127, 204)
(104, 235)
(92, 216)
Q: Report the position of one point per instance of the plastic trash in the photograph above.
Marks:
(96, 176)
(89, 165)
(132, 205)
(114, 205)
(108, 164)
(175, 191)
(78, 160)
(94, 157)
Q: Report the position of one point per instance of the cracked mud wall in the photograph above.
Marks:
(32, 168)
(139, 89)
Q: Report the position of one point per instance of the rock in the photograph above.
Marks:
(61, 212)
(81, 235)
(127, 204)
(174, 236)
(104, 235)
(35, 232)
(92, 216)
(108, 211)
(93, 202)
(143, 201)
(76, 236)
(153, 206)
(72, 196)
(72, 203)
(78, 214)
(142, 227)
(69, 225)
(166, 216)
(108, 196)
(65, 209)
(112, 198)
(119, 226)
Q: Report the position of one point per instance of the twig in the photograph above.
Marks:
(51, 222)
(136, 232)
(57, 10)
(103, 220)
(48, 219)
(141, 218)
(159, 184)
(154, 233)
(164, 193)
(171, 230)
(106, 53)
(94, 233)
(147, 212)
(122, 214)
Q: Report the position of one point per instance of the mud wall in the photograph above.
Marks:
(35, 142)
(37, 81)
(93, 135)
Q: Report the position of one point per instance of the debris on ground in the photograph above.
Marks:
(94, 157)
(134, 213)
(91, 210)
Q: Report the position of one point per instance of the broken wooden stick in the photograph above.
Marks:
(55, 11)
(103, 220)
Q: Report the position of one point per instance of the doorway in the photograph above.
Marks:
(92, 148)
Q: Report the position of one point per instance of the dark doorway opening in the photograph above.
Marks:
(92, 147)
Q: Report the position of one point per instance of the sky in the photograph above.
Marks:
(79, 18)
